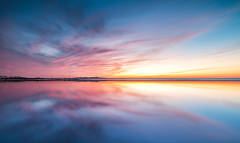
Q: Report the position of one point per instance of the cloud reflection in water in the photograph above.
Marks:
(119, 112)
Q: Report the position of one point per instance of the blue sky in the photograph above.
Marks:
(136, 38)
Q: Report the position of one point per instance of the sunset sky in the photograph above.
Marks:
(122, 38)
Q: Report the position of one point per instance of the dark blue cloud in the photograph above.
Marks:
(108, 32)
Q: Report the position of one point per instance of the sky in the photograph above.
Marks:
(122, 38)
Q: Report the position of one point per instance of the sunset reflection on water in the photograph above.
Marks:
(111, 111)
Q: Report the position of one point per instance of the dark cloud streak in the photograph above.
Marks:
(103, 35)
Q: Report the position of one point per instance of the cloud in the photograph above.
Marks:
(202, 69)
(97, 38)
(224, 50)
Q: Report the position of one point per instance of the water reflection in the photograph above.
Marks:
(64, 111)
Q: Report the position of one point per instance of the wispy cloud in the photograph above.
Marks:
(88, 38)
(202, 69)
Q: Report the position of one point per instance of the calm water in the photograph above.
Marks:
(66, 111)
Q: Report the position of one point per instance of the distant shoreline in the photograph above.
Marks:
(116, 79)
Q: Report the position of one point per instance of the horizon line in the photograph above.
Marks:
(18, 78)
(127, 77)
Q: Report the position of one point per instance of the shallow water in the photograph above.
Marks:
(68, 111)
